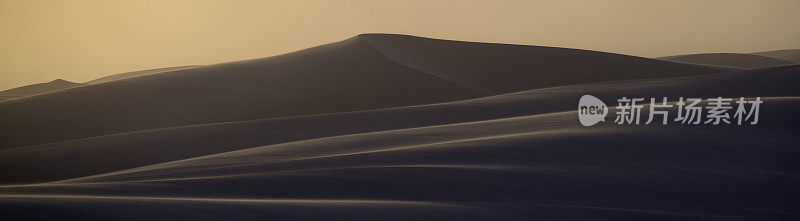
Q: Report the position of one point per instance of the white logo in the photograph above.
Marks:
(591, 110)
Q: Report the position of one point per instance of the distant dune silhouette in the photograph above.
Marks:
(35, 89)
(792, 55)
(396, 127)
(60, 84)
(745, 61)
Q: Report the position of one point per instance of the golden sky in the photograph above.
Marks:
(42, 40)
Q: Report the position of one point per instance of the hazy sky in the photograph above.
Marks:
(78, 41)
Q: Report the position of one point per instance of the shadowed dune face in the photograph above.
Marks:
(531, 166)
(746, 61)
(364, 72)
(514, 156)
(78, 158)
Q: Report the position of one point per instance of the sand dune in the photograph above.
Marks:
(792, 55)
(364, 72)
(651, 176)
(168, 144)
(132, 74)
(744, 61)
(59, 84)
(502, 68)
(35, 89)
(517, 156)
(400, 128)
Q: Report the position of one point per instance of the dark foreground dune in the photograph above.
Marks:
(76, 158)
(389, 127)
(516, 156)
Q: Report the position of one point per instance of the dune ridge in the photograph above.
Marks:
(792, 55)
(116, 77)
(733, 60)
(60, 84)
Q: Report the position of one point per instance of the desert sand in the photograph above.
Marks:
(401, 128)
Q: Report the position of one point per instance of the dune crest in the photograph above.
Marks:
(132, 74)
(792, 55)
(734, 60)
